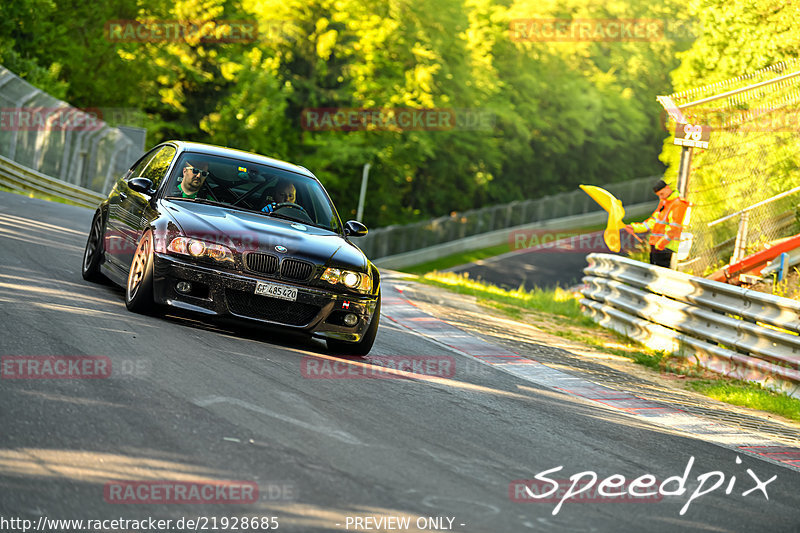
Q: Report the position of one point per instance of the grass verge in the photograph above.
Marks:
(555, 301)
(39, 196)
(748, 395)
(563, 312)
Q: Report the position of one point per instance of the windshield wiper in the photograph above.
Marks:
(292, 219)
(200, 201)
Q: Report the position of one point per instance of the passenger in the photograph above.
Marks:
(284, 191)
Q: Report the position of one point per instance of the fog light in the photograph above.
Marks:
(350, 319)
(184, 286)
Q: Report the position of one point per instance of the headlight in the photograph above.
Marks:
(350, 279)
(198, 248)
(357, 281)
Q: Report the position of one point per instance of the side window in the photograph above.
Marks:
(158, 165)
(137, 169)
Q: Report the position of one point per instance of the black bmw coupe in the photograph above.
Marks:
(233, 234)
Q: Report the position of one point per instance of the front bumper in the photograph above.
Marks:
(223, 293)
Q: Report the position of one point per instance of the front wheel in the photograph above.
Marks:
(93, 254)
(363, 346)
(139, 289)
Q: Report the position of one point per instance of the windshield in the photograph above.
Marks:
(252, 187)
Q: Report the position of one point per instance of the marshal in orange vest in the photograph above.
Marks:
(666, 222)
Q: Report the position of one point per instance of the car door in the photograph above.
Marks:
(115, 240)
(137, 210)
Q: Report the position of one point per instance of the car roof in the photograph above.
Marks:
(210, 149)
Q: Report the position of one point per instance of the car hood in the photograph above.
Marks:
(248, 231)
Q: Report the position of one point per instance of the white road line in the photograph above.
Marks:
(405, 314)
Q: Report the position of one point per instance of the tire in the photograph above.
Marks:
(139, 289)
(363, 346)
(93, 253)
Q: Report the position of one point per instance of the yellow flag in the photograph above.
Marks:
(615, 214)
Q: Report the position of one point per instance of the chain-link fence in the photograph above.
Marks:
(753, 154)
(56, 139)
(392, 240)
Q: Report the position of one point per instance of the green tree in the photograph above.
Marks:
(559, 114)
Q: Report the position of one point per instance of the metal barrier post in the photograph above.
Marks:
(782, 271)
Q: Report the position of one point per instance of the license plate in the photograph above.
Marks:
(276, 291)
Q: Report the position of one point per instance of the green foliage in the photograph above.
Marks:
(560, 113)
(737, 37)
(750, 395)
(753, 150)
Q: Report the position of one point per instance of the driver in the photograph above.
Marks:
(193, 176)
(284, 191)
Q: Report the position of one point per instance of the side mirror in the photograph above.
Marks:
(142, 185)
(354, 228)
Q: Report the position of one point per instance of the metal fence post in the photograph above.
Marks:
(741, 238)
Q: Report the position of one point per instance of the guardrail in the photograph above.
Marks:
(391, 241)
(23, 179)
(69, 144)
(741, 333)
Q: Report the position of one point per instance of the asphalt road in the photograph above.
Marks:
(187, 400)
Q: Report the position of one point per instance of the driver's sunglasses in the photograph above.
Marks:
(196, 171)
